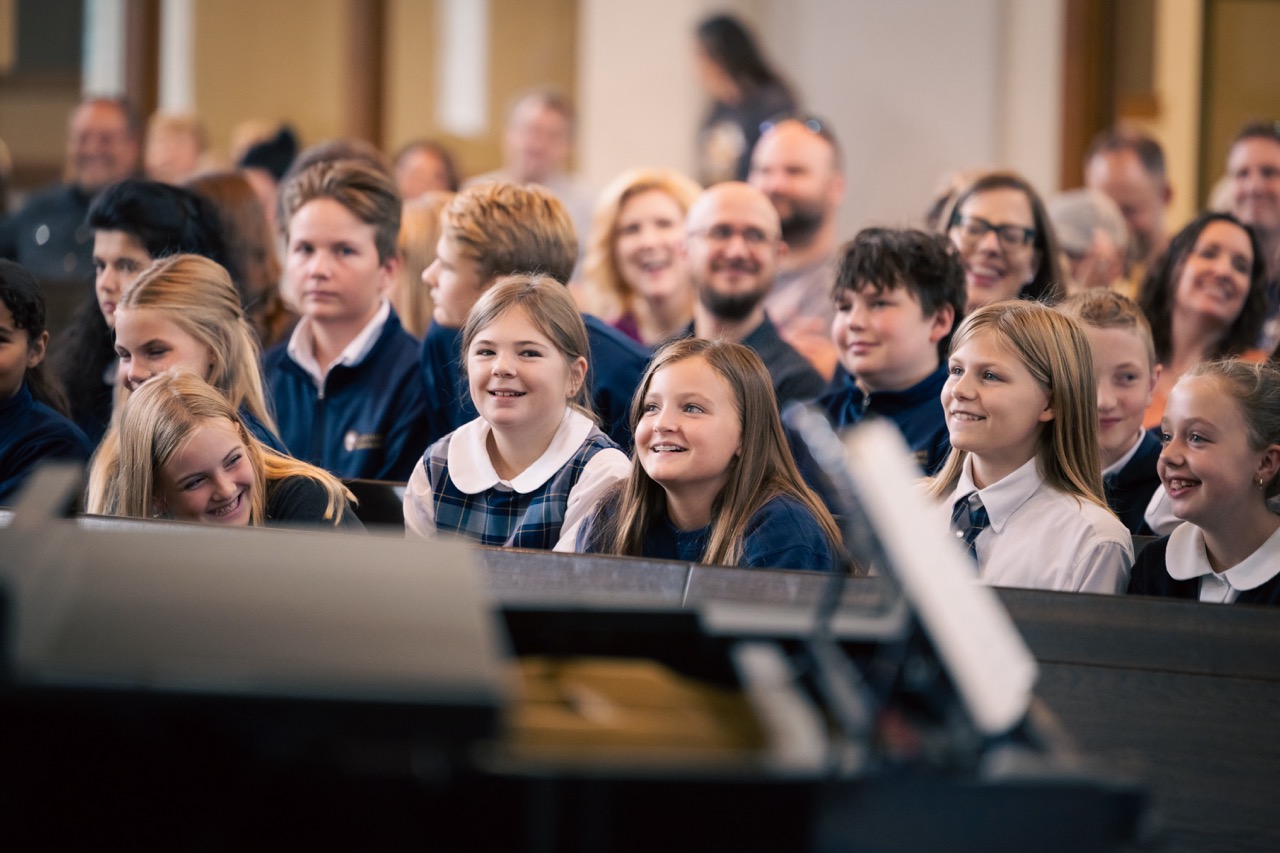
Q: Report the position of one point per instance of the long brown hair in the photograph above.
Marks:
(755, 477)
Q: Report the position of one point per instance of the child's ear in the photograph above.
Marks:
(1269, 466)
(943, 320)
(577, 375)
(388, 271)
(36, 349)
(1155, 378)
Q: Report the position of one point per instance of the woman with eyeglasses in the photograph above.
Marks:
(1006, 242)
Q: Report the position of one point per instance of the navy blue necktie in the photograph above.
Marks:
(968, 520)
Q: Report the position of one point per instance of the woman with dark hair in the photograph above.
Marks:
(746, 93)
(1006, 241)
(134, 222)
(1205, 299)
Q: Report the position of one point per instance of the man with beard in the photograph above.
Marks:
(734, 249)
(48, 235)
(797, 164)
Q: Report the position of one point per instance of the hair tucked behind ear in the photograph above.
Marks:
(1256, 387)
(763, 471)
(1055, 350)
(20, 293)
(157, 421)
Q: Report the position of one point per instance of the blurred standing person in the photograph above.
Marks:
(1129, 167)
(745, 92)
(177, 146)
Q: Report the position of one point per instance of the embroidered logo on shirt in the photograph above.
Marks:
(353, 441)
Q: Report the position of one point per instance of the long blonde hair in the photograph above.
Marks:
(1055, 350)
(419, 233)
(196, 294)
(606, 294)
(764, 470)
(160, 418)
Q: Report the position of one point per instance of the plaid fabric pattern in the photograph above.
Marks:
(500, 516)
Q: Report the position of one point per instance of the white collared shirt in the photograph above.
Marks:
(302, 345)
(1118, 466)
(471, 470)
(1041, 538)
(1186, 559)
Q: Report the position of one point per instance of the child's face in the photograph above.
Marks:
(118, 258)
(690, 430)
(18, 353)
(1125, 382)
(208, 478)
(332, 270)
(519, 379)
(456, 282)
(648, 246)
(1207, 466)
(148, 341)
(995, 408)
(1214, 281)
(884, 339)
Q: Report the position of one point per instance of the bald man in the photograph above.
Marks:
(734, 247)
(48, 235)
(797, 164)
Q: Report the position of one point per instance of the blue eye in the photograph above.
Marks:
(1165, 438)
(690, 407)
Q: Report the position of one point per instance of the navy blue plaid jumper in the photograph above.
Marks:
(503, 516)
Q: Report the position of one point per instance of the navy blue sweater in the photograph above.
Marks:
(31, 432)
(614, 370)
(367, 421)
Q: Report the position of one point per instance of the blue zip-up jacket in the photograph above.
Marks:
(31, 432)
(614, 369)
(917, 411)
(368, 421)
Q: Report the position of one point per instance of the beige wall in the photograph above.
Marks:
(273, 60)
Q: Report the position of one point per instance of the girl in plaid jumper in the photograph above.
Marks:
(528, 470)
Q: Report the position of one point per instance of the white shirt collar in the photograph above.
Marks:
(302, 345)
(1118, 465)
(1186, 558)
(471, 468)
(1003, 497)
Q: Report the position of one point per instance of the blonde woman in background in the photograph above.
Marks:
(419, 233)
(635, 273)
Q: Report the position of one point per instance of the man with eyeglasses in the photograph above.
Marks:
(733, 245)
(797, 164)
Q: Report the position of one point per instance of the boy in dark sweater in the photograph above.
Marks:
(346, 388)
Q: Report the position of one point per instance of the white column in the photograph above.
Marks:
(177, 56)
(462, 98)
(103, 69)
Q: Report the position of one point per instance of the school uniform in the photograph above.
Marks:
(615, 367)
(364, 417)
(259, 430)
(30, 433)
(1040, 538)
(1131, 481)
(916, 411)
(1177, 566)
(455, 488)
(300, 501)
(782, 534)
